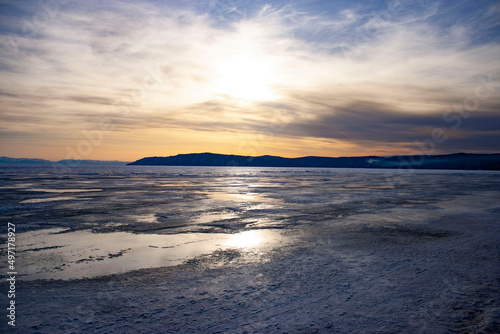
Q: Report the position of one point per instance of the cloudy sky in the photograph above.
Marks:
(127, 79)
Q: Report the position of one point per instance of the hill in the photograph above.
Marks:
(68, 162)
(465, 161)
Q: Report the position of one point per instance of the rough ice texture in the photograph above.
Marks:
(367, 251)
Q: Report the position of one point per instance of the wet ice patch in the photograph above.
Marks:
(368, 186)
(265, 223)
(19, 185)
(250, 239)
(248, 197)
(49, 199)
(58, 254)
(146, 218)
(62, 190)
(214, 217)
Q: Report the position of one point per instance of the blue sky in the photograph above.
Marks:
(127, 79)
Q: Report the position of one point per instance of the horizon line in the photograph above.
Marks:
(254, 156)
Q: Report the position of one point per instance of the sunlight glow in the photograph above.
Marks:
(245, 77)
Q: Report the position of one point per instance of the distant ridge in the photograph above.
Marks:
(464, 161)
(68, 162)
(23, 161)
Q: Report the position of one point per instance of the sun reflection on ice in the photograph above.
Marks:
(250, 239)
(238, 197)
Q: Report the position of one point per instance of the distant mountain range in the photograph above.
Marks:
(459, 161)
(67, 162)
(464, 161)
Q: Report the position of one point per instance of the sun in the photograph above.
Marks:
(245, 77)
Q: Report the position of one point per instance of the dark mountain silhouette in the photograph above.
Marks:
(68, 162)
(22, 161)
(465, 161)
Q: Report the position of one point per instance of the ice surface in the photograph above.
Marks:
(257, 250)
(48, 199)
(62, 190)
(59, 254)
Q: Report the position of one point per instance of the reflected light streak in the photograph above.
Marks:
(247, 239)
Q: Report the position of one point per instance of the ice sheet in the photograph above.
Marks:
(257, 250)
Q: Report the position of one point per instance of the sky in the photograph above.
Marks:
(122, 80)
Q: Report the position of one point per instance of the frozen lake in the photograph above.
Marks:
(229, 249)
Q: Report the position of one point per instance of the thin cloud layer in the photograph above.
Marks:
(287, 78)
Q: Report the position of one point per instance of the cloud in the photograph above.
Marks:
(363, 121)
(384, 75)
(91, 99)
